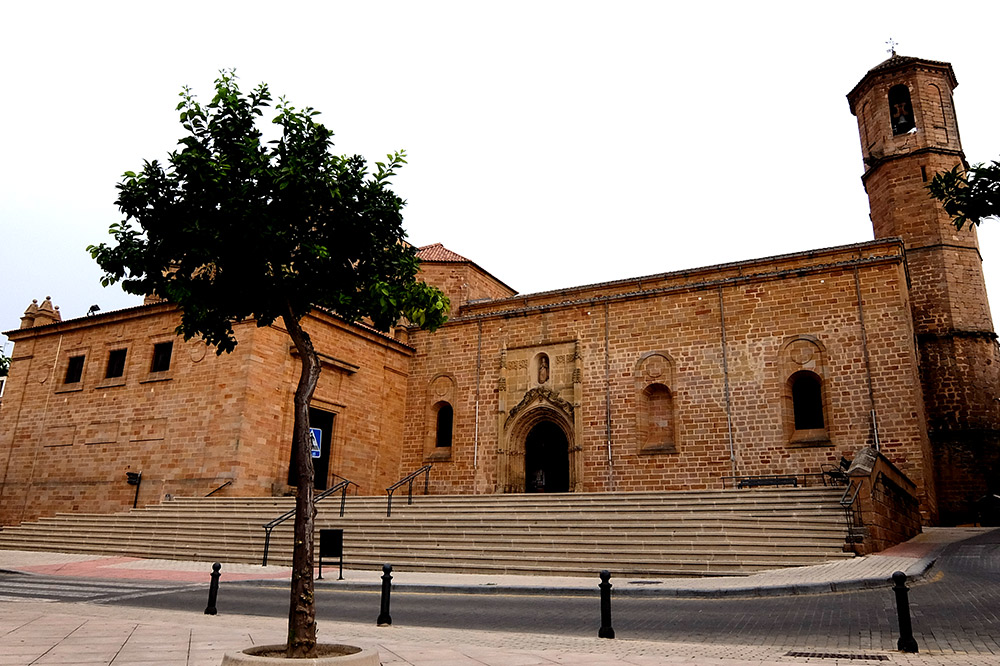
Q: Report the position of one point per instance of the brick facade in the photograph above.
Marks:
(206, 420)
(671, 381)
(960, 360)
(748, 326)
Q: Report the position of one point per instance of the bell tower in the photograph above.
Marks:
(906, 119)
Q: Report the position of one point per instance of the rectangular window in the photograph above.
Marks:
(116, 363)
(74, 370)
(161, 356)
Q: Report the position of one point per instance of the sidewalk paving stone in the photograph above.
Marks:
(34, 632)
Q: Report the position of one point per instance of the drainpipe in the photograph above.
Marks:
(873, 415)
(50, 388)
(607, 393)
(725, 374)
(479, 366)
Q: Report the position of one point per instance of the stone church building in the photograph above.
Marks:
(664, 382)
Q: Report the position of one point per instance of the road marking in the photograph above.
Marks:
(9, 598)
(32, 588)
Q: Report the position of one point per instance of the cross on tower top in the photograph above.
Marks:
(891, 43)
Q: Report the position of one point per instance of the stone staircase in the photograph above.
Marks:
(691, 533)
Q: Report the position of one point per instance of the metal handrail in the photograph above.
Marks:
(409, 478)
(220, 488)
(344, 478)
(847, 501)
(342, 487)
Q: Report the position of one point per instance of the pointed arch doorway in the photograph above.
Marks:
(539, 433)
(546, 459)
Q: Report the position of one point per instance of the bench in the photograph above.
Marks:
(837, 474)
(762, 481)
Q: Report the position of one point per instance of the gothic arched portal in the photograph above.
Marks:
(539, 434)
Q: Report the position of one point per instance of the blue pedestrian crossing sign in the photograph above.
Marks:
(317, 442)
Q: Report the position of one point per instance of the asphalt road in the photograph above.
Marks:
(956, 610)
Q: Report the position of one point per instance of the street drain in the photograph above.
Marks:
(645, 582)
(838, 655)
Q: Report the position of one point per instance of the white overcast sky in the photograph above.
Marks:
(553, 143)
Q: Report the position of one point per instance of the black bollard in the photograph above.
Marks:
(213, 590)
(906, 642)
(384, 619)
(606, 631)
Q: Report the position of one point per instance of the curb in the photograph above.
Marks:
(916, 572)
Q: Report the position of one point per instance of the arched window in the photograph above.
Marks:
(439, 418)
(901, 110)
(656, 421)
(445, 418)
(658, 412)
(807, 401)
(805, 392)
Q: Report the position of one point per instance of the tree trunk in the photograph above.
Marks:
(302, 611)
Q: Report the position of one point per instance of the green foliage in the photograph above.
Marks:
(235, 228)
(969, 196)
(4, 365)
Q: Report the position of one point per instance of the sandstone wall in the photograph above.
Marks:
(207, 420)
(606, 343)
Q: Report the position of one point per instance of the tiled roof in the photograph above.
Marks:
(438, 252)
(896, 62)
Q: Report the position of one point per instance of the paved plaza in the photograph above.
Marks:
(36, 629)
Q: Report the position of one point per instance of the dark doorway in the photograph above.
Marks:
(546, 460)
(321, 465)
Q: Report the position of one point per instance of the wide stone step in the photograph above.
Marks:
(683, 533)
(659, 543)
(543, 547)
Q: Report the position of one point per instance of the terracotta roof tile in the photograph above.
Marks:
(438, 252)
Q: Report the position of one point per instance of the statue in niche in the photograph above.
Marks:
(543, 368)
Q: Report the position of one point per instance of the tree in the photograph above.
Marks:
(969, 196)
(237, 229)
(4, 364)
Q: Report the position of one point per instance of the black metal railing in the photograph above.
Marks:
(227, 483)
(409, 478)
(342, 487)
(768, 480)
(344, 478)
(836, 474)
(852, 513)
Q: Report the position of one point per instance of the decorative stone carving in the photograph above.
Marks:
(655, 367)
(802, 351)
(543, 368)
(540, 394)
(441, 386)
(198, 352)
